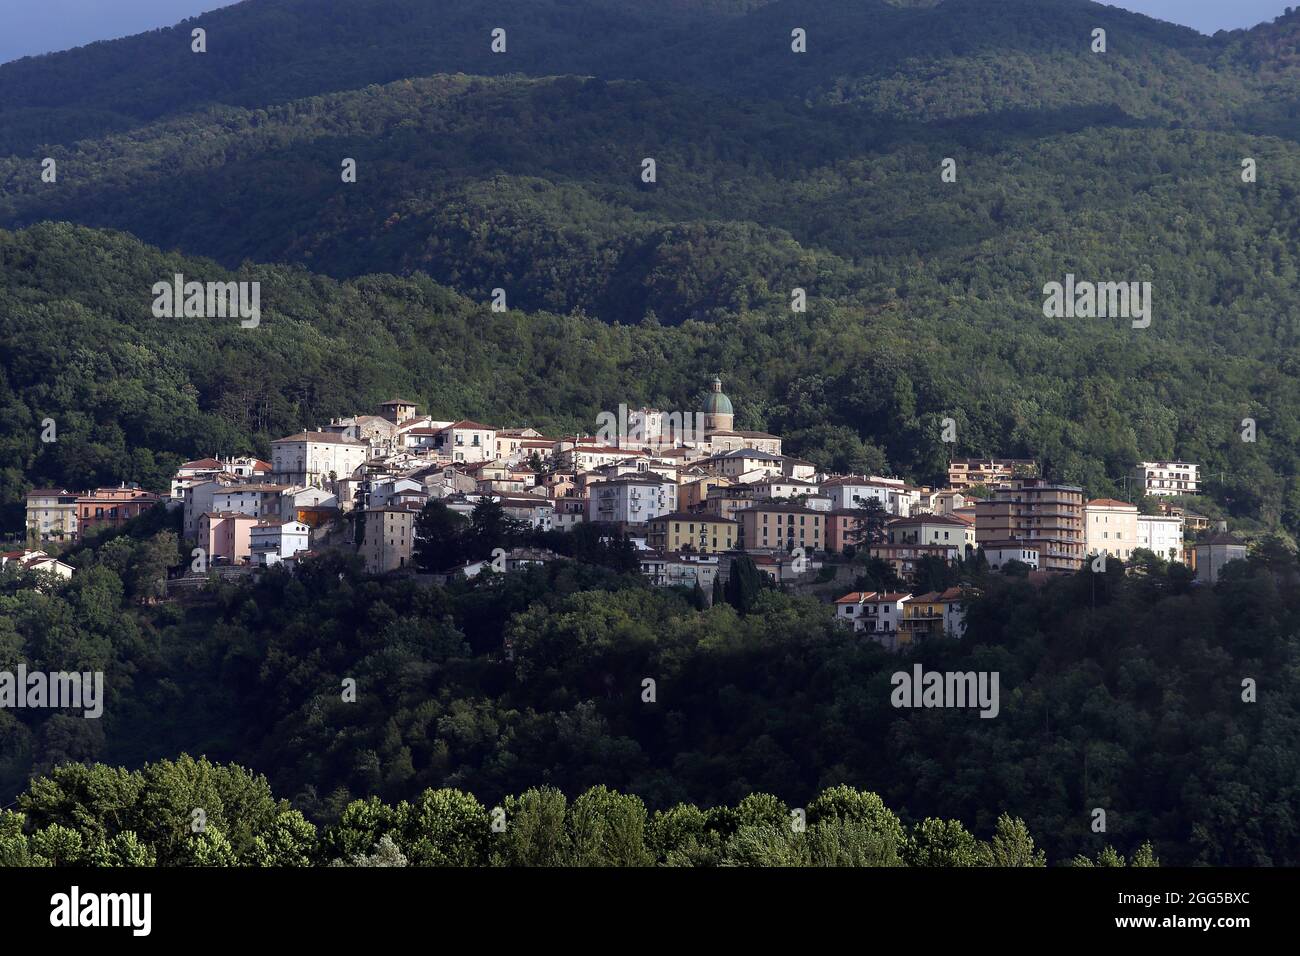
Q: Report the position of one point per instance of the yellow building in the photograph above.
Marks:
(695, 532)
(933, 614)
(694, 493)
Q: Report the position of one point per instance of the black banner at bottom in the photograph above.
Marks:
(338, 904)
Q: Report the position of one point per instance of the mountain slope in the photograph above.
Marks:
(952, 58)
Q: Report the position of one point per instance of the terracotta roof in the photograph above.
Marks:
(395, 401)
(202, 463)
(466, 423)
(937, 597)
(1110, 503)
(48, 492)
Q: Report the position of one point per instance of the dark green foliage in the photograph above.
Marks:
(1119, 691)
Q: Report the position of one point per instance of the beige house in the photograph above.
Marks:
(780, 526)
(467, 441)
(1110, 528)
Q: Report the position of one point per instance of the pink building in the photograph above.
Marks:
(227, 534)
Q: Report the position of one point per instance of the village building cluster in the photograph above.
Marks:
(689, 490)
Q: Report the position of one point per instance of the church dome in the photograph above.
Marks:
(715, 402)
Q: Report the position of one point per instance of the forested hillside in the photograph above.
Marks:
(1117, 691)
(855, 388)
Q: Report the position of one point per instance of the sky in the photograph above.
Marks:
(29, 27)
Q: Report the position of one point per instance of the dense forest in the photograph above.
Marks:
(1118, 691)
(98, 816)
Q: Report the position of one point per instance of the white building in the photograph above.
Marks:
(273, 540)
(943, 530)
(783, 488)
(680, 569)
(999, 553)
(198, 498)
(1162, 534)
(391, 490)
(631, 499)
(258, 500)
(1167, 477)
(36, 561)
(875, 612)
(854, 491)
(467, 441)
(315, 458)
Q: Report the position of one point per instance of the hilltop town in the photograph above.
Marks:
(688, 491)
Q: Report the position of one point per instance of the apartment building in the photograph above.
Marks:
(965, 472)
(313, 458)
(704, 533)
(112, 507)
(774, 525)
(1167, 477)
(1110, 528)
(51, 514)
(1040, 512)
(632, 499)
(1162, 534)
(854, 491)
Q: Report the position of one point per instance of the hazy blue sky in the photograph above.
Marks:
(40, 26)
